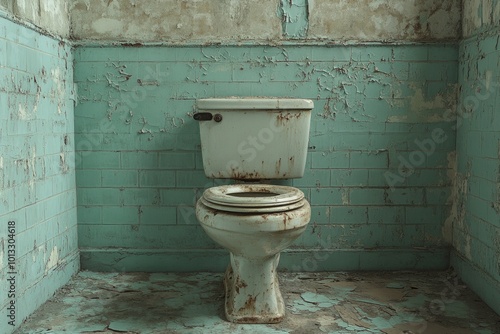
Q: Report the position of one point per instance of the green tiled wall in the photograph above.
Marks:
(37, 176)
(381, 151)
(477, 229)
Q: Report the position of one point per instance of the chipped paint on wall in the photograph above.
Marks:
(472, 16)
(477, 188)
(37, 193)
(479, 15)
(58, 91)
(53, 260)
(294, 16)
(447, 229)
(49, 15)
(428, 110)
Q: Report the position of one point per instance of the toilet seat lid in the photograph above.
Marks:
(253, 196)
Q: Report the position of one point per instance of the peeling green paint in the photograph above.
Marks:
(477, 191)
(294, 16)
(48, 16)
(37, 179)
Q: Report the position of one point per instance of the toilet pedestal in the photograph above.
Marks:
(252, 290)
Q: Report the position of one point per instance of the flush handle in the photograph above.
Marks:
(203, 116)
(206, 116)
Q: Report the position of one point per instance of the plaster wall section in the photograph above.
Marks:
(50, 16)
(233, 21)
(367, 20)
(174, 21)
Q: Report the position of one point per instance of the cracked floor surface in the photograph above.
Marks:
(360, 302)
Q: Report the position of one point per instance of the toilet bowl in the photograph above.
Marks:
(255, 223)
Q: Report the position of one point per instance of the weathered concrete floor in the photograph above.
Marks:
(401, 302)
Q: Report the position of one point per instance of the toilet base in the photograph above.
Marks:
(252, 291)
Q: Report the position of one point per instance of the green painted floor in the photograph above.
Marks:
(373, 302)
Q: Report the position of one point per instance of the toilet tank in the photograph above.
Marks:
(254, 138)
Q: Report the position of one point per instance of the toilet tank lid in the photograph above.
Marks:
(254, 103)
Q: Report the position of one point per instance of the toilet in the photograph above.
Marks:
(251, 140)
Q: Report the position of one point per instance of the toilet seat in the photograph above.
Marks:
(253, 198)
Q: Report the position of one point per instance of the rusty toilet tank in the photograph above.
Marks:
(254, 138)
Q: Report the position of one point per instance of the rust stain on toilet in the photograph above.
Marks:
(278, 166)
(291, 163)
(237, 175)
(286, 218)
(249, 304)
(239, 284)
(282, 117)
(250, 307)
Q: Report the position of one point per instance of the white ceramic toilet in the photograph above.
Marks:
(251, 140)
